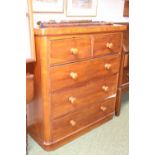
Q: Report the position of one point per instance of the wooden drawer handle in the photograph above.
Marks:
(73, 75)
(72, 99)
(103, 108)
(74, 51)
(105, 88)
(107, 66)
(109, 45)
(72, 123)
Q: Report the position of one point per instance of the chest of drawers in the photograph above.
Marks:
(75, 80)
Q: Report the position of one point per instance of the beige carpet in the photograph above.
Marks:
(108, 139)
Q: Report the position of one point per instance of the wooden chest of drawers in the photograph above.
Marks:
(76, 81)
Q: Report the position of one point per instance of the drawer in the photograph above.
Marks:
(88, 94)
(73, 74)
(74, 122)
(107, 44)
(69, 50)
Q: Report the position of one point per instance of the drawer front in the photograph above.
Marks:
(107, 44)
(78, 120)
(88, 94)
(77, 73)
(69, 50)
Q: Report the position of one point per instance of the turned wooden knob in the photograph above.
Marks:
(109, 45)
(72, 99)
(74, 51)
(73, 75)
(72, 123)
(105, 88)
(103, 108)
(107, 66)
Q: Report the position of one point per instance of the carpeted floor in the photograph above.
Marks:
(110, 138)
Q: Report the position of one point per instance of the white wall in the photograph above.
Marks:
(112, 9)
(108, 10)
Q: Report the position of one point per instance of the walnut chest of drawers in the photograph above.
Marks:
(75, 81)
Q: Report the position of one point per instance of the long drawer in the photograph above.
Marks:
(85, 95)
(69, 49)
(73, 122)
(73, 74)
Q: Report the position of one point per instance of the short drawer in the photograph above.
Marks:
(88, 94)
(69, 50)
(107, 44)
(73, 74)
(74, 122)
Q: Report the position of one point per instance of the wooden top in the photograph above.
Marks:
(58, 30)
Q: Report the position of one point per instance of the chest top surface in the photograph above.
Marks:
(78, 29)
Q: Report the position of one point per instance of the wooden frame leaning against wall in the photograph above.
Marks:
(30, 51)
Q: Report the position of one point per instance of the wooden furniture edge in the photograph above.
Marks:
(30, 61)
(79, 29)
(122, 88)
